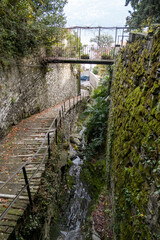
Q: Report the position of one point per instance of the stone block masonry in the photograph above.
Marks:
(134, 141)
(27, 87)
(61, 83)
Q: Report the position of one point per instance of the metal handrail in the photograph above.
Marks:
(28, 159)
(56, 121)
(22, 190)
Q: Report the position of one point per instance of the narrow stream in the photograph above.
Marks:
(77, 209)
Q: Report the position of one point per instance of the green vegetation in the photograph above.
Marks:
(145, 12)
(106, 56)
(72, 47)
(85, 56)
(102, 70)
(103, 41)
(28, 24)
(13, 100)
(97, 116)
(95, 70)
(94, 169)
(74, 44)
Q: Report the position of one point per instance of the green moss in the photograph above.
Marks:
(136, 115)
(94, 174)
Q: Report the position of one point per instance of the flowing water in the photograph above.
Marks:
(77, 209)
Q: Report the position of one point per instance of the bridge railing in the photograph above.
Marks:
(50, 136)
(91, 43)
(100, 43)
(87, 52)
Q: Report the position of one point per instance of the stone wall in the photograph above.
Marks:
(61, 82)
(27, 87)
(134, 140)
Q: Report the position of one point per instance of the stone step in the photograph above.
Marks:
(6, 229)
(7, 196)
(26, 144)
(24, 147)
(33, 169)
(13, 211)
(27, 155)
(38, 135)
(4, 236)
(10, 217)
(5, 222)
(34, 149)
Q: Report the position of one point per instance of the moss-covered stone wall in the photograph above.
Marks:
(135, 132)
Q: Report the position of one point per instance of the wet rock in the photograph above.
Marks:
(95, 235)
(75, 140)
(71, 155)
(76, 135)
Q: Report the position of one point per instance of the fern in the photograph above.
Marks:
(97, 112)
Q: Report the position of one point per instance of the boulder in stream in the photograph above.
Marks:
(76, 139)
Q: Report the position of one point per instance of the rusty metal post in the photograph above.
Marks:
(60, 124)
(62, 110)
(28, 188)
(62, 115)
(122, 37)
(115, 43)
(49, 149)
(64, 107)
(56, 131)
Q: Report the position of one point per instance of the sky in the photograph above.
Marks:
(96, 13)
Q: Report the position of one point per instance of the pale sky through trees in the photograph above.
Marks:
(96, 12)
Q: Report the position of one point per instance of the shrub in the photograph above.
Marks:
(97, 116)
(85, 56)
(95, 70)
(106, 56)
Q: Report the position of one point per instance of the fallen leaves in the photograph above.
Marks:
(102, 218)
(2, 200)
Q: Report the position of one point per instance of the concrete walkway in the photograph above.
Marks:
(15, 149)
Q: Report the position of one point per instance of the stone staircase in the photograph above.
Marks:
(17, 148)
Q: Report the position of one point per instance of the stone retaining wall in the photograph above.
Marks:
(134, 142)
(94, 80)
(27, 87)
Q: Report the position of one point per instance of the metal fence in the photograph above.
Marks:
(90, 42)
